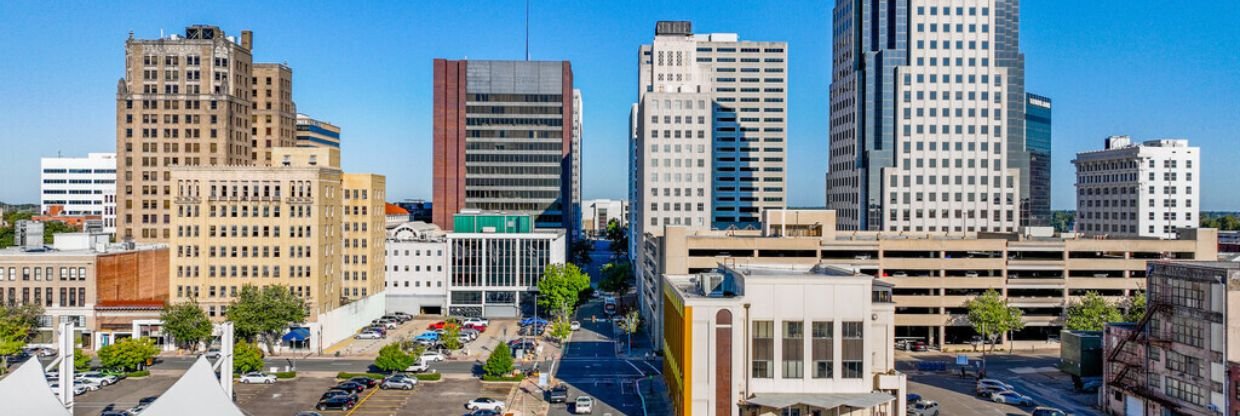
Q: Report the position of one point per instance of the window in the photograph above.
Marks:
(853, 349)
(793, 350)
(763, 349)
(822, 349)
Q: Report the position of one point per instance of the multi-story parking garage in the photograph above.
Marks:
(934, 273)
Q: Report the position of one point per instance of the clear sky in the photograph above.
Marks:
(1146, 68)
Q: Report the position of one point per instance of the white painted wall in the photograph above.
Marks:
(341, 323)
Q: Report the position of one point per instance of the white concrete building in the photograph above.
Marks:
(81, 185)
(416, 276)
(1147, 189)
(597, 213)
(780, 340)
(496, 274)
(578, 131)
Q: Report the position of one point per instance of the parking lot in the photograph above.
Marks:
(476, 349)
(1031, 375)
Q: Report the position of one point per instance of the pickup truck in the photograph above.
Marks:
(418, 367)
(557, 394)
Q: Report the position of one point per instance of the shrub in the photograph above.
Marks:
(499, 363)
(345, 376)
(286, 374)
(502, 378)
(393, 358)
(139, 373)
(429, 376)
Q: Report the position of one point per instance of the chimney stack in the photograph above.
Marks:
(247, 40)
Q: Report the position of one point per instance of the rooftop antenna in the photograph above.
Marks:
(527, 30)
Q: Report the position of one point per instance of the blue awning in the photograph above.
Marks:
(297, 335)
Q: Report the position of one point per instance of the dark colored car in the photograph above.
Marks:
(557, 394)
(147, 400)
(338, 393)
(336, 403)
(484, 412)
(351, 386)
(919, 346)
(369, 382)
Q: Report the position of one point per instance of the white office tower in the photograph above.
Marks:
(1147, 189)
(927, 127)
(81, 186)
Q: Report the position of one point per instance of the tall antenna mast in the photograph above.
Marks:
(527, 30)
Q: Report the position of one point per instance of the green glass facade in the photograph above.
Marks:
(493, 223)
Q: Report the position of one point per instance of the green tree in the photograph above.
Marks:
(247, 357)
(561, 329)
(619, 237)
(81, 360)
(187, 324)
(51, 228)
(991, 316)
(128, 354)
(581, 252)
(452, 335)
(17, 324)
(1136, 308)
(499, 363)
(1091, 313)
(264, 313)
(393, 358)
(617, 277)
(561, 287)
(630, 324)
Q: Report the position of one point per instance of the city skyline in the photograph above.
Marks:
(384, 105)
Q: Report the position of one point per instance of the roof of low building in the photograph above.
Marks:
(393, 209)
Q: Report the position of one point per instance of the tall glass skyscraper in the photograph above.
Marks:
(927, 116)
(1038, 143)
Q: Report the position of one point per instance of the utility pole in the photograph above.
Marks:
(527, 32)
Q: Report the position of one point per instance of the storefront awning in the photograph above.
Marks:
(297, 335)
(820, 400)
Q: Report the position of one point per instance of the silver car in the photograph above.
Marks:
(399, 382)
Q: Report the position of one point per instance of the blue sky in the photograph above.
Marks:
(1138, 67)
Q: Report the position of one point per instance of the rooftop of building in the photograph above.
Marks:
(1118, 143)
(79, 244)
(727, 282)
(393, 209)
(1226, 265)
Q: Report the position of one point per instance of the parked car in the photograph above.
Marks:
(386, 323)
(987, 391)
(337, 393)
(473, 322)
(522, 344)
(918, 346)
(404, 317)
(336, 403)
(97, 377)
(990, 382)
(147, 400)
(308, 414)
(532, 330)
(212, 353)
(532, 321)
(89, 384)
(351, 386)
(1011, 397)
(367, 381)
(923, 408)
(257, 378)
(471, 332)
(442, 325)
(399, 382)
(137, 410)
(575, 325)
(418, 366)
(78, 388)
(485, 403)
(431, 356)
(368, 335)
(1048, 411)
(113, 413)
(584, 405)
(377, 328)
(557, 394)
(430, 336)
(484, 412)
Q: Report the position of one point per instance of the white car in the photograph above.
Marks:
(429, 356)
(584, 405)
(368, 335)
(212, 353)
(418, 367)
(257, 378)
(90, 385)
(78, 388)
(1011, 397)
(476, 321)
(137, 410)
(575, 325)
(485, 403)
(994, 384)
(96, 377)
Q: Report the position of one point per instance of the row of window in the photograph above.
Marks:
(69, 297)
(822, 348)
(39, 273)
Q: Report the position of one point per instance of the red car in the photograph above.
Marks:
(440, 325)
(477, 327)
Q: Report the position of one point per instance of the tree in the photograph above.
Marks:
(264, 313)
(393, 358)
(561, 329)
(581, 252)
(1136, 308)
(619, 237)
(81, 360)
(991, 316)
(247, 357)
(630, 324)
(452, 335)
(128, 354)
(187, 324)
(1091, 313)
(499, 364)
(51, 228)
(17, 324)
(617, 277)
(561, 287)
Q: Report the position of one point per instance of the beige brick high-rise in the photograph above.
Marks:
(364, 234)
(257, 225)
(275, 114)
(186, 100)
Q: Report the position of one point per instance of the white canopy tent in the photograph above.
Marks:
(25, 392)
(197, 393)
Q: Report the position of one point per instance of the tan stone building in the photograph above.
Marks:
(278, 225)
(364, 233)
(934, 274)
(188, 100)
(275, 115)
